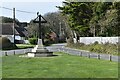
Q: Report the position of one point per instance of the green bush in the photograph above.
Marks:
(95, 43)
(91, 49)
(70, 42)
(33, 40)
(107, 48)
(47, 42)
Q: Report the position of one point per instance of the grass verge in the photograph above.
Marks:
(61, 66)
(23, 46)
(107, 48)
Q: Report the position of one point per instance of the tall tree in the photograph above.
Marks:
(105, 19)
(79, 15)
(9, 20)
(58, 23)
(99, 11)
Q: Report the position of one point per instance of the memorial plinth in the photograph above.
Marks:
(39, 51)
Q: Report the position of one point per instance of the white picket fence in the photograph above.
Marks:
(89, 40)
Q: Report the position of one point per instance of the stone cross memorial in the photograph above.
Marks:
(39, 50)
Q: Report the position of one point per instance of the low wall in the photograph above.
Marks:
(89, 40)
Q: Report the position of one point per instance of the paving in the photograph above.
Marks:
(70, 51)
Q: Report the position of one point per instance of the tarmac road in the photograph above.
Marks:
(71, 51)
(61, 48)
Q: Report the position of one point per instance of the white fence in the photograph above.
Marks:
(89, 40)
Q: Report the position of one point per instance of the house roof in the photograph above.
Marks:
(7, 29)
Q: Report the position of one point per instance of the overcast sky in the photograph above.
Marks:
(42, 6)
(34, 6)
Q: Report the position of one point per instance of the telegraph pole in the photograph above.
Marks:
(60, 30)
(14, 24)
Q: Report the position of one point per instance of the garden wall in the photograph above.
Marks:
(89, 40)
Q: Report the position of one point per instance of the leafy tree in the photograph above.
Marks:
(105, 19)
(99, 11)
(93, 18)
(9, 20)
(58, 23)
(79, 14)
(32, 30)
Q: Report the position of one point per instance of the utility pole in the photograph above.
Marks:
(60, 30)
(14, 24)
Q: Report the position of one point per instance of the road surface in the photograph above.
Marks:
(62, 48)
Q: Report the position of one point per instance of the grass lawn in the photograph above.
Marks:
(23, 46)
(61, 66)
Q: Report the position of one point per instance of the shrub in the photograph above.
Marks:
(48, 42)
(95, 43)
(91, 49)
(70, 42)
(33, 40)
(6, 43)
(107, 48)
(81, 44)
(107, 43)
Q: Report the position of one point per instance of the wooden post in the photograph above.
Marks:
(81, 54)
(88, 55)
(6, 54)
(14, 25)
(98, 56)
(60, 32)
(110, 58)
(14, 52)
